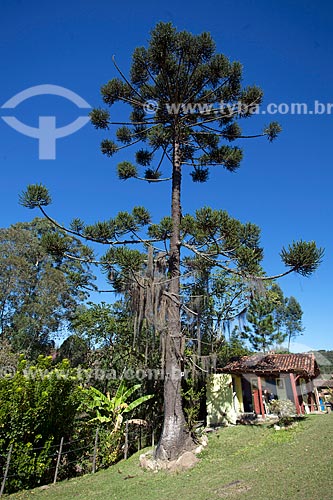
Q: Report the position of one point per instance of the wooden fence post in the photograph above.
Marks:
(58, 461)
(126, 441)
(95, 452)
(139, 438)
(6, 470)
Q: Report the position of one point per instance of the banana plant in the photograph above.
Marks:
(110, 410)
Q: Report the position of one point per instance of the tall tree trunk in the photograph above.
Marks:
(199, 334)
(175, 437)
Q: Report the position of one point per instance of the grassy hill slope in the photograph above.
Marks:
(243, 462)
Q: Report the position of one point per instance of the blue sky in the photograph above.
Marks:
(285, 187)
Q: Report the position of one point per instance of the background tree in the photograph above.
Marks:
(233, 349)
(279, 311)
(261, 331)
(108, 331)
(287, 314)
(38, 291)
(215, 302)
(96, 323)
(293, 319)
(197, 319)
(176, 70)
(75, 349)
(8, 358)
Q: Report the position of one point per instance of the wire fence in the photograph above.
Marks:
(76, 457)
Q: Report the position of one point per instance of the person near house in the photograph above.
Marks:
(265, 398)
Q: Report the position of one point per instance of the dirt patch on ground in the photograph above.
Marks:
(231, 489)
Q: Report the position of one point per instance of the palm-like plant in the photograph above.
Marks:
(106, 409)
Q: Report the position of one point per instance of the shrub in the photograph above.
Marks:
(42, 403)
(283, 408)
(286, 411)
(38, 407)
(192, 398)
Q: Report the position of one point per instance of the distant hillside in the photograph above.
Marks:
(325, 361)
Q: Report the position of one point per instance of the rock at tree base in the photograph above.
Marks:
(187, 460)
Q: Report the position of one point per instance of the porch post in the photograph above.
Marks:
(311, 399)
(311, 402)
(317, 398)
(294, 389)
(262, 409)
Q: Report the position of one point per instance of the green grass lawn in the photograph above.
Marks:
(243, 462)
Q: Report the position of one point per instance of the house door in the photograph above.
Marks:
(255, 396)
(247, 396)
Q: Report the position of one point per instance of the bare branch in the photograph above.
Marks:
(177, 301)
(153, 180)
(82, 259)
(217, 132)
(125, 79)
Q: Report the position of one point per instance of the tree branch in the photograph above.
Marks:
(95, 240)
(234, 271)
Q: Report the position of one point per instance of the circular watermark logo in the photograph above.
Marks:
(150, 107)
(7, 371)
(47, 132)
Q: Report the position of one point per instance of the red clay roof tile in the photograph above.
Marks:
(302, 364)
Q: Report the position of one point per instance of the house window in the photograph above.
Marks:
(280, 383)
(254, 384)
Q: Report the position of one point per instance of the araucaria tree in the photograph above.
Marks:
(261, 330)
(272, 319)
(293, 319)
(186, 101)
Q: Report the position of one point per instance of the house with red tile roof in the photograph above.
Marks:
(250, 384)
